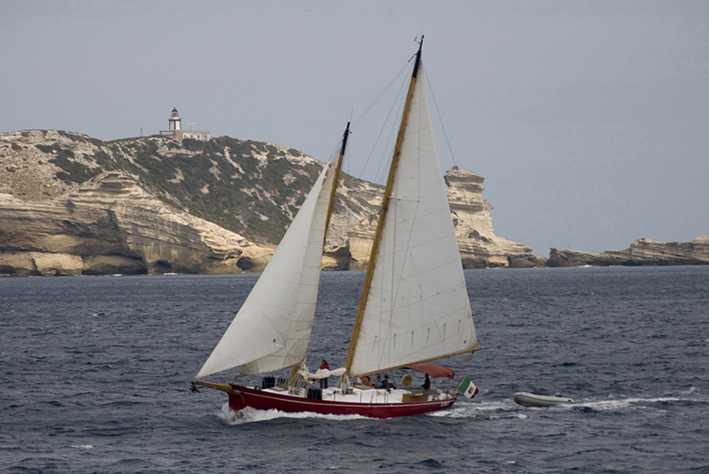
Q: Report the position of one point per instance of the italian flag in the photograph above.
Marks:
(467, 388)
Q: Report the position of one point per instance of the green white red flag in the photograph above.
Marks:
(467, 388)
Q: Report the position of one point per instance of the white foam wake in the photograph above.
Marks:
(251, 415)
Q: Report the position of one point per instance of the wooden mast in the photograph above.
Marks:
(336, 178)
(331, 204)
(383, 212)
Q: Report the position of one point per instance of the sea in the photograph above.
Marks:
(96, 374)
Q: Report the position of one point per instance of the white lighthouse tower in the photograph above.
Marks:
(175, 130)
(175, 121)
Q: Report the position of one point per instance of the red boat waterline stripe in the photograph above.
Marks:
(243, 397)
(307, 401)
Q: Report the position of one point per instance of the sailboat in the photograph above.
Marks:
(414, 307)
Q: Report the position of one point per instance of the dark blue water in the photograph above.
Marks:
(96, 370)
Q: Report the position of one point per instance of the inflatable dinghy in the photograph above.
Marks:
(534, 400)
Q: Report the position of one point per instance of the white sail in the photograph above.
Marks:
(417, 308)
(272, 328)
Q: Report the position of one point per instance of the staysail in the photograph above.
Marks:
(272, 328)
(417, 306)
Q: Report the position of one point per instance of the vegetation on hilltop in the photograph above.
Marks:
(251, 188)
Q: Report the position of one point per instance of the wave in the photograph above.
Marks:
(507, 408)
(489, 409)
(630, 403)
(252, 415)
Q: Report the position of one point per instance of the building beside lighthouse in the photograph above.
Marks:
(176, 132)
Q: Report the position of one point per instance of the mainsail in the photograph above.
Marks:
(416, 308)
(272, 328)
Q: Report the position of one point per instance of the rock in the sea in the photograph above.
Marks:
(526, 261)
(641, 252)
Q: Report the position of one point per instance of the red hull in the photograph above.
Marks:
(242, 397)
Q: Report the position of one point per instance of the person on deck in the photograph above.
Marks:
(427, 383)
(323, 381)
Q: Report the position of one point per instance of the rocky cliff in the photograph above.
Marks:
(640, 252)
(70, 205)
(111, 225)
(479, 246)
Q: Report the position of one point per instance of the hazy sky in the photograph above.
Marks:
(588, 119)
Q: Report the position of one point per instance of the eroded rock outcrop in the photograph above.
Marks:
(112, 225)
(641, 252)
(71, 205)
(479, 246)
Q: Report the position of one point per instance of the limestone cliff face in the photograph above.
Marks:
(250, 188)
(479, 246)
(111, 225)
(71, 205)
(640, 252)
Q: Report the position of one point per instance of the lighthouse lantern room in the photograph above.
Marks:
(175, 121)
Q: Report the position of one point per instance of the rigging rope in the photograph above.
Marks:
(445, 134)
(397, 99)
(466, 195)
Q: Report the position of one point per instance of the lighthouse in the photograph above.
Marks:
(175, 130)
(175, 121)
